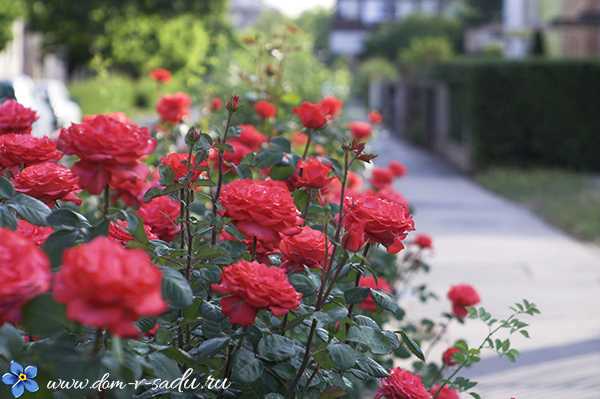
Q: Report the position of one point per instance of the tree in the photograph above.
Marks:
(77, 25)
(477, 12)
(9, 11)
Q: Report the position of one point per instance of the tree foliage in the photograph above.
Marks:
(9, 11)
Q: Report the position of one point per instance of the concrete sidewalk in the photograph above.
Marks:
(508, 254)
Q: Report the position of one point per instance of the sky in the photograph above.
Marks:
(295, 7)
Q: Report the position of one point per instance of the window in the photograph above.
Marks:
(349, 9)
(374, 11)
(404, 8)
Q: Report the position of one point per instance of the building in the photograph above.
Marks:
(579, 28)
(245, 13)
(354, 19)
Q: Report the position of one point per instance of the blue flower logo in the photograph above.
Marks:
(20, 379)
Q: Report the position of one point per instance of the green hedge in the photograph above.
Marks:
(534, 112)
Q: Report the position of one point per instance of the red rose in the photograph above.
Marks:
(448, 356)
(445, 393)
(402, 384)
(369, 218)
(23, 149)
(381, 284)
(102, 144)
(36, 234)
(48, 182)
(306, 248)
(462, 296)
(423, 241)
(161, 215)
(130, 184)
(265, 109)
(24, 272)
(174, 108)
(354, 181)
(311, 173)
(15, 118)
(311, 115)
(261, 209)
(251, 286)
(216, 104)
(360, 130)
(250, 137)
(390, 195)
(233, 104)
(375, 117)
(397, 168)
(331, 106)
(107, 286)
(381, 178)
(230, 157)
(117, 231)
(161, 75)
(178, 163)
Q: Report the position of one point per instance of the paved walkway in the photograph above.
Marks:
(508, 254)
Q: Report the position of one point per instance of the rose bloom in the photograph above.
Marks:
(251, 286)
(24, 272)
(48, 182)
(402, 384)
(311, 115)
(354, 181)
(265, 109)
(331, 106)
(23, 149)
(174, 108)
(15, 118)
(299, 139)
(448, 356)
(233, 104)
(161, 75)
(117, 231)
(36, 234)
(369, 218)
(397, 169)
(462, 296)
(178, 162)
(216, 104)
(260, 208)
(161, 215)
(250, 137)
(423, 241)
(130, 184)
(234, 157)
(381, 178)
(445, 393)
(104, 144)
(360, 130)
(375, 117)
(311, 173)
(306, 248)
(389, 194)
(380, 284)
(107, 286)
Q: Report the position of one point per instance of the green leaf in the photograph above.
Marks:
(475, 395)
(175, 289)
(276, 347)
(281, 172)
(159, 192)
(412, 346)
(246, 367)
(268, 158)
(281, 143)
(388, 303)
(342, 355)
(211, 347)
(7, 218)
(356, 295)
(300, 198)
(373, 338)
(44, 316)
(371, 367)
(135, 226)
(6, 189)
(64, 218)
(30, 209)
(163, 366)
(57, 242)
(303, 283)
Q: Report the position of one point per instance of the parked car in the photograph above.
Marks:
(22, 89)
(56, 94)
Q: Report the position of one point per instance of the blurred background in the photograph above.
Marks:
(491, 104)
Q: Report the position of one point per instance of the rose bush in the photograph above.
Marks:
(246, 246)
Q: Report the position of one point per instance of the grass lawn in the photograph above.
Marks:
(568, 200)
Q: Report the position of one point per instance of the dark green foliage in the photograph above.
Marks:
(536, 112)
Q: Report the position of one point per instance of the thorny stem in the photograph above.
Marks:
(464, 363)
(217, 194)
(305, 359)
(106, 201)
(309, 199)
(357, 280)
(437, 339)
(307, 146)
(98, 341)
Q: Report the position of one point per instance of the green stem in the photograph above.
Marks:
(307, 146)
(357, 280)
(305, 359)
(217, 194)
(106, 201)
